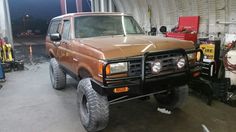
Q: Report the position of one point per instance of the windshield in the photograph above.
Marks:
(92, 26)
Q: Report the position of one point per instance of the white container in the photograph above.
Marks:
(232, 60)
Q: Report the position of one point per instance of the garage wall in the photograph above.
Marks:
(5, 22)
(165, 12)
(137, 8)
(232, 18)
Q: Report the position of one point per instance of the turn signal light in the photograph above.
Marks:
(196, 74)
(121, 90)
(199, 56)
(100, 67)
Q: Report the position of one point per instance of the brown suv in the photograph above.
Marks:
(115, 61)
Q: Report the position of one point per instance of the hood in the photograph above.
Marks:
(127, 46)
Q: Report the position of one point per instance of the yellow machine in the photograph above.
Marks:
(7, 53)
(211, 55)
(208, 51)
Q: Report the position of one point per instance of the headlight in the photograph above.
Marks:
(118, 67)
(181, 63)
(156, 67)
(112, 68)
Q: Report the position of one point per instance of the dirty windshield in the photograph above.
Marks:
(92, 26)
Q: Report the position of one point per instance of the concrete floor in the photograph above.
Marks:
(29, 104)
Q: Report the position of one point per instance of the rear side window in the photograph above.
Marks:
(54, 27)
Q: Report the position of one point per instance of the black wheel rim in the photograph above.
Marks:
(85, 106)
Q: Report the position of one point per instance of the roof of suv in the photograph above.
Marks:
(90, 14)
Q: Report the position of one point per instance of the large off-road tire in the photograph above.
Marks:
(174, 98)
(57, 75)
(93, 107)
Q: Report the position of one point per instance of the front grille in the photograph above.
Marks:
(135, 67)
(168, 62)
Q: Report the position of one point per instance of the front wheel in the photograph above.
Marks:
(93, 107)
(57, 75)
(174, 98)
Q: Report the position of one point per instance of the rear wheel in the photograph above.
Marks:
(57, 75)
(93, 107)
(174, 98)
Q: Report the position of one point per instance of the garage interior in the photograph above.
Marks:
(29, 103)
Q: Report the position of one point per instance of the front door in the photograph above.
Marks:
(65, 57)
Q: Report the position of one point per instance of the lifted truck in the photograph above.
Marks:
(113, 60)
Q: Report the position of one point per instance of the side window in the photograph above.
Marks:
(54, 27)
(129, 26)
(66, 30)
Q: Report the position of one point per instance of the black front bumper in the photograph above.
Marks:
(145, 84)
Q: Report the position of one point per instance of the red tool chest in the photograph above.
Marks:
(187, 28)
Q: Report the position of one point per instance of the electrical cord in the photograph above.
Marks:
(229, 66)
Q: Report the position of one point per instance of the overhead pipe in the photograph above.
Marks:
(9, 27)
(63, 6)
(79, 6)
(5, 23)
(110, 5)
(92, 5)
(226, 23)
(96, 7)
(102, 5)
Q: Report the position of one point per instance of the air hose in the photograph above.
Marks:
(229, 66)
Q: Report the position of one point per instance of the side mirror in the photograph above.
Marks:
(163, 29)
(55, 37)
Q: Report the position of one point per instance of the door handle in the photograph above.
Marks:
(64, 42)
